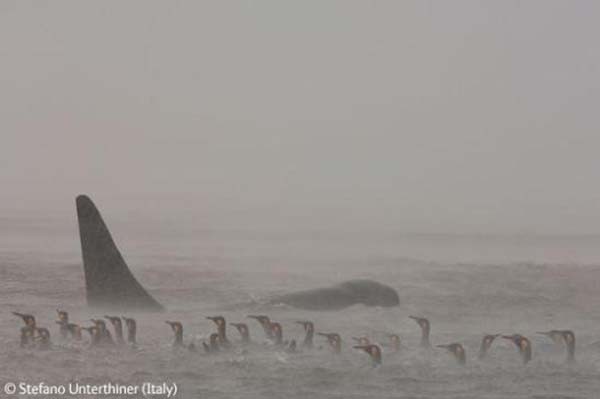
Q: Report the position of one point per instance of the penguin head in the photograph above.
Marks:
(176, 326)
(218, 320)
(62, 315)
(115, 321)
(28, 319)
(422, 322)
(308, 325)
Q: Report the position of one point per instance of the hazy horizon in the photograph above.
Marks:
(418, 117)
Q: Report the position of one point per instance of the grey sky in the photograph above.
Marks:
(413, 116)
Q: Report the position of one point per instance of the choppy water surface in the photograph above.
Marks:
(465, 286)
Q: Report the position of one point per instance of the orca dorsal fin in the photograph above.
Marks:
(109, 282)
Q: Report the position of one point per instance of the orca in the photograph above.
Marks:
(109, 282)
(343, 295)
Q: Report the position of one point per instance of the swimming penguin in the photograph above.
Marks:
(374, 351)
(28, 319)
(177, 328)
(277, 333)
(42, 338)
(131, 325)
(362, 341)
(486, 344)
(425, 329)
(243, 330)
(395, 341)
(221, 329)
(334, 340)
(566, 337)
(213, 345)
(118, 327)
(457, 350)
(26, 339)
(63, 322)
(75, 331)
(523, 345)
(265, 322)
(309, 329)
(104, 335)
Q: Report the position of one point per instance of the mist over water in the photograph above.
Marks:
(515, 285)
(245, 149)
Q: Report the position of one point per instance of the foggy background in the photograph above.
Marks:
(415, 116)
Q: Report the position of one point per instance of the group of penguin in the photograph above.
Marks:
(33, 336)
(523, 344)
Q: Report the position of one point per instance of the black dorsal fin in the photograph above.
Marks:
(108, 280)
